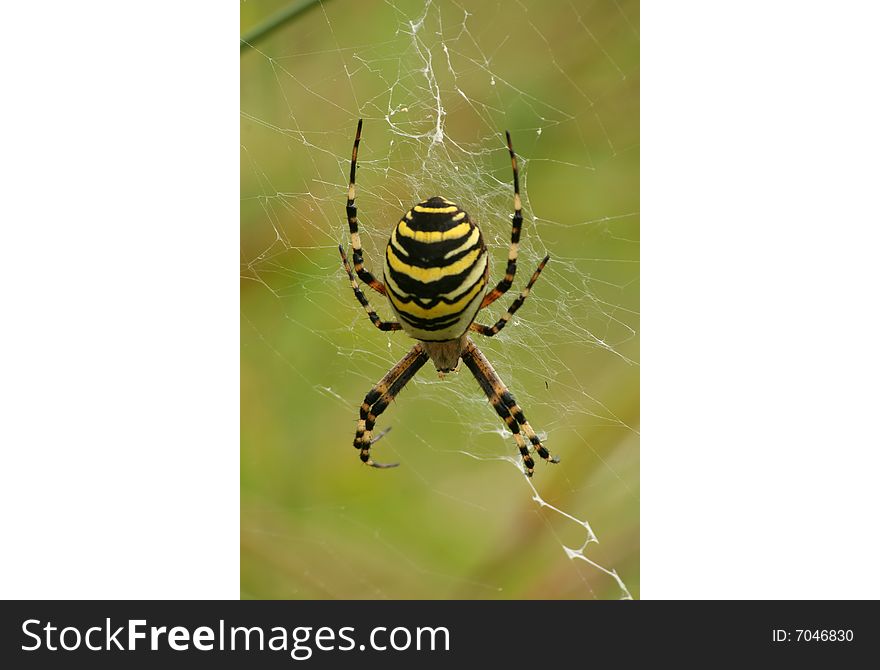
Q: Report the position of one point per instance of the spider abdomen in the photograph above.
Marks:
(436, 270)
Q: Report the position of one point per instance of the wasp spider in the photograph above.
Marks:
(436, 278)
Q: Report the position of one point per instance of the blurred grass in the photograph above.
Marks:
(315, 524)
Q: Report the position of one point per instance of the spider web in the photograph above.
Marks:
(437, 83)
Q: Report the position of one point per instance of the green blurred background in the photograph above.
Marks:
(457, 519)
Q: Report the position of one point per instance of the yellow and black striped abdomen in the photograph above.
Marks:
(436, 270)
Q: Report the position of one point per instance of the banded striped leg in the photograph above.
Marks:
(362, 299)
(357, 253)
(502, 400)
(489, 332)
(380, 396)
(510, 272)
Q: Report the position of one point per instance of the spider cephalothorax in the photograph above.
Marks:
(436, 275)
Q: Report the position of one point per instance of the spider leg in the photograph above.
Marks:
(362, 299)
(489, 332)
(357, 253)
(505, 406)
(379, 398)
(502, 286)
